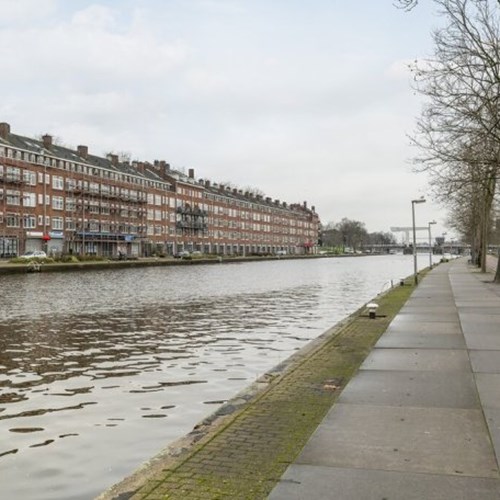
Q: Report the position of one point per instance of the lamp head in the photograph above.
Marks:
(420, 200)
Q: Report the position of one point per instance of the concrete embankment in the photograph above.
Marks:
(244, 448)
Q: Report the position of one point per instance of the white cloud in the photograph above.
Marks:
(89, 48)
(25, 11)
(95, 18)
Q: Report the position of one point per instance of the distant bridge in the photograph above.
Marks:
(446, 247)
(407, 230)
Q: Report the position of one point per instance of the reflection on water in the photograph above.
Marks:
(100, 370)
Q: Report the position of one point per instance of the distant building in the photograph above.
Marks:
(65, 201)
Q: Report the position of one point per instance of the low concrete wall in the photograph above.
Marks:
(8, 268)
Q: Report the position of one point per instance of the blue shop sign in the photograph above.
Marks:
(56, 235)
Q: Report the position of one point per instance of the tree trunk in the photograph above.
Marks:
(497, 274)
(484, 242)
(485, 224)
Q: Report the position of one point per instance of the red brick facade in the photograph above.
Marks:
(69, 201)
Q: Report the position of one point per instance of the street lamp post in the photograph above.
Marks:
(413, 202)
(430, 244)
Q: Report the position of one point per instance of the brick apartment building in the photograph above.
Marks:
(70, 201)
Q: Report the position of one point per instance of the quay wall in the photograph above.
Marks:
(16, 268)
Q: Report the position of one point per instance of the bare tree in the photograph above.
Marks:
(353, 233)
(254, 191)
(458, 132)
(405, 4)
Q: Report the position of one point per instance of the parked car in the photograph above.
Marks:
(196, 253)
(183, 254)
(34, 254)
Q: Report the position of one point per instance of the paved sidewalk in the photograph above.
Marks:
(421, 419)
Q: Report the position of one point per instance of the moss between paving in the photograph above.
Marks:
(246, 457)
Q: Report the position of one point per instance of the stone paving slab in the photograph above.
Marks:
(431, 290)
(428, 310)
(485, 361)
(438, 360)
(485, 310)
(473, 292)
(415, 318)
(421, 340)
(410, 388)
(488, 385)
(493, 421)
(452, 327)
(428, 440)
(481, 340)
(305, 482)
(472, 321)
(443, 300)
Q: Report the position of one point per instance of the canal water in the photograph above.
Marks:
(100, 370)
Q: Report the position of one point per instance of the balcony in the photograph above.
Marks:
(195, 225)
(188, 210)
(12, 179)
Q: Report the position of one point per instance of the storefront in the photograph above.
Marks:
(34, 241)
(55, 245)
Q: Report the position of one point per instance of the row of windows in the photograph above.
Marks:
(14, 197)
(152, 215)
(28, 221)
(69, 166)
(29, 178)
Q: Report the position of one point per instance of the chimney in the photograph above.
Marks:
(222, 187)
(191, 173)
(284, 204)
(83, 152)
(113, 159)
(313, 208)
(268, 200)
(276, 202)
(235, 191)
(207, 184)
(141, 166)
(4, 130)
(47, 141)
(305, 204)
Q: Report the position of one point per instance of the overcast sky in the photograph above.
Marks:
(305, 100)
